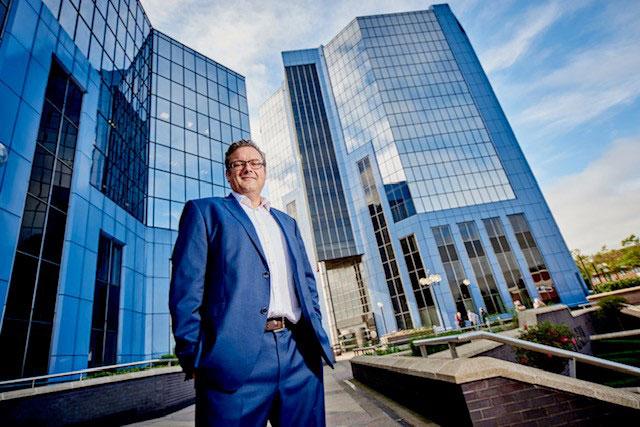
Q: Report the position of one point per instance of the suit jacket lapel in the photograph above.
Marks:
(236, 210)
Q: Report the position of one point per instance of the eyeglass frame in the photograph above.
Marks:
(256, 164)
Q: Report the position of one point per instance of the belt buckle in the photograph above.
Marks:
(282, 319)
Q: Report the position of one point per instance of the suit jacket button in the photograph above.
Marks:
(263, 310)
(265, 274)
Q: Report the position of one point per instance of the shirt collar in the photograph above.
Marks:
(244, 200)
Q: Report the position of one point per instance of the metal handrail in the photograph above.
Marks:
(453, 341)
(82, 372)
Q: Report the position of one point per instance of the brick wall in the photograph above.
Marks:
(439, 401)
(112, 403)
(503, 402)
(491, 402)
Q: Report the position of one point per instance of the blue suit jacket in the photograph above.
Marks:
(219, 294)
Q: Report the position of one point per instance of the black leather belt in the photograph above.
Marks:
(275, 324)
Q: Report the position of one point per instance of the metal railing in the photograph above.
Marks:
(407, 340)
(454, 341)
(78, 375)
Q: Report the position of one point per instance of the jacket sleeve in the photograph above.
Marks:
(189, 263)
(310, 278)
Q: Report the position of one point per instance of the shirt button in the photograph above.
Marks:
(265, 274)
(263, 310)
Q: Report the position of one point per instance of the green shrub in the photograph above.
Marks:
(168, 356)
(551, 334)
(609, 314)
(616, 285)
(389, 350)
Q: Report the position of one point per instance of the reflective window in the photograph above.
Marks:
(481, 268)
(33, 288)
(349, 302)
(325, 195)
(385, 248)
(424, 298)
(507, 261)
(106, 304)
(537, 267)
(143, 130)
(398, 87)
(454, 271)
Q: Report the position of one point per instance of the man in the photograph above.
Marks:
(244, 306)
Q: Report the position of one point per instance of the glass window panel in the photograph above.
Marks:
(61, 186)
(177, 137)
(163, 109)
(163, 133)
(191, 142)
(177, 188)
(176, 53)
(22, 287)
(190, 99)
(164, 47)
(46, 292)
(177, 162)
(190, 79)
(164, 87)
(161, 213)
(204, 169)
(176, 73)
(177, 93)
(177, 115)
(164, 67)
(192, 166)
(192, 189)
(190, 119)
(162, 158)
(41, 173)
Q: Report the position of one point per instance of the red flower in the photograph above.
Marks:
(564, 339)
(573, 341)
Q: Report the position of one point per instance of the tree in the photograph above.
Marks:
(610, 262)
(583, 261)
(631, 240)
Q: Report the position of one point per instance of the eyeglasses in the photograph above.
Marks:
(240, 164)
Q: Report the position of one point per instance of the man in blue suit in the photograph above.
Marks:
(244, 305)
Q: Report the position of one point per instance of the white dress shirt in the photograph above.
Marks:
(282, 298)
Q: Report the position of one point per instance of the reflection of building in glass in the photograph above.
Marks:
(111, 126)
(395, 124)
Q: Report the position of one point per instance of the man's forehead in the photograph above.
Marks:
(244, 152)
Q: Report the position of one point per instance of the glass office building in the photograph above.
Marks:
(397, 133)
(110, 126)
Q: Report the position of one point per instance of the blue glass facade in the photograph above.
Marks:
(406, 92)
(329, 216)
(110, 126)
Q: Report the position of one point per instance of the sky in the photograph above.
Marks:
(567, 74)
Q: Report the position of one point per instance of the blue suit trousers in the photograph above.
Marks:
(285, 387)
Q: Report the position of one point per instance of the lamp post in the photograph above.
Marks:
(432, 279)
(384, 321)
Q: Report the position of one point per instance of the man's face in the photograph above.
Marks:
(246, 180)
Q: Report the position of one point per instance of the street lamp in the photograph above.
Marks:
(384, 321)
(432, 279)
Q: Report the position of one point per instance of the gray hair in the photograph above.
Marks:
(242, 143)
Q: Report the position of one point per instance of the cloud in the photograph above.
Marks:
(599, 205)
(248, 36)
(589, 84)
(531, 26)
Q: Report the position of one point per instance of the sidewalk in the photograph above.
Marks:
(347, 404)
